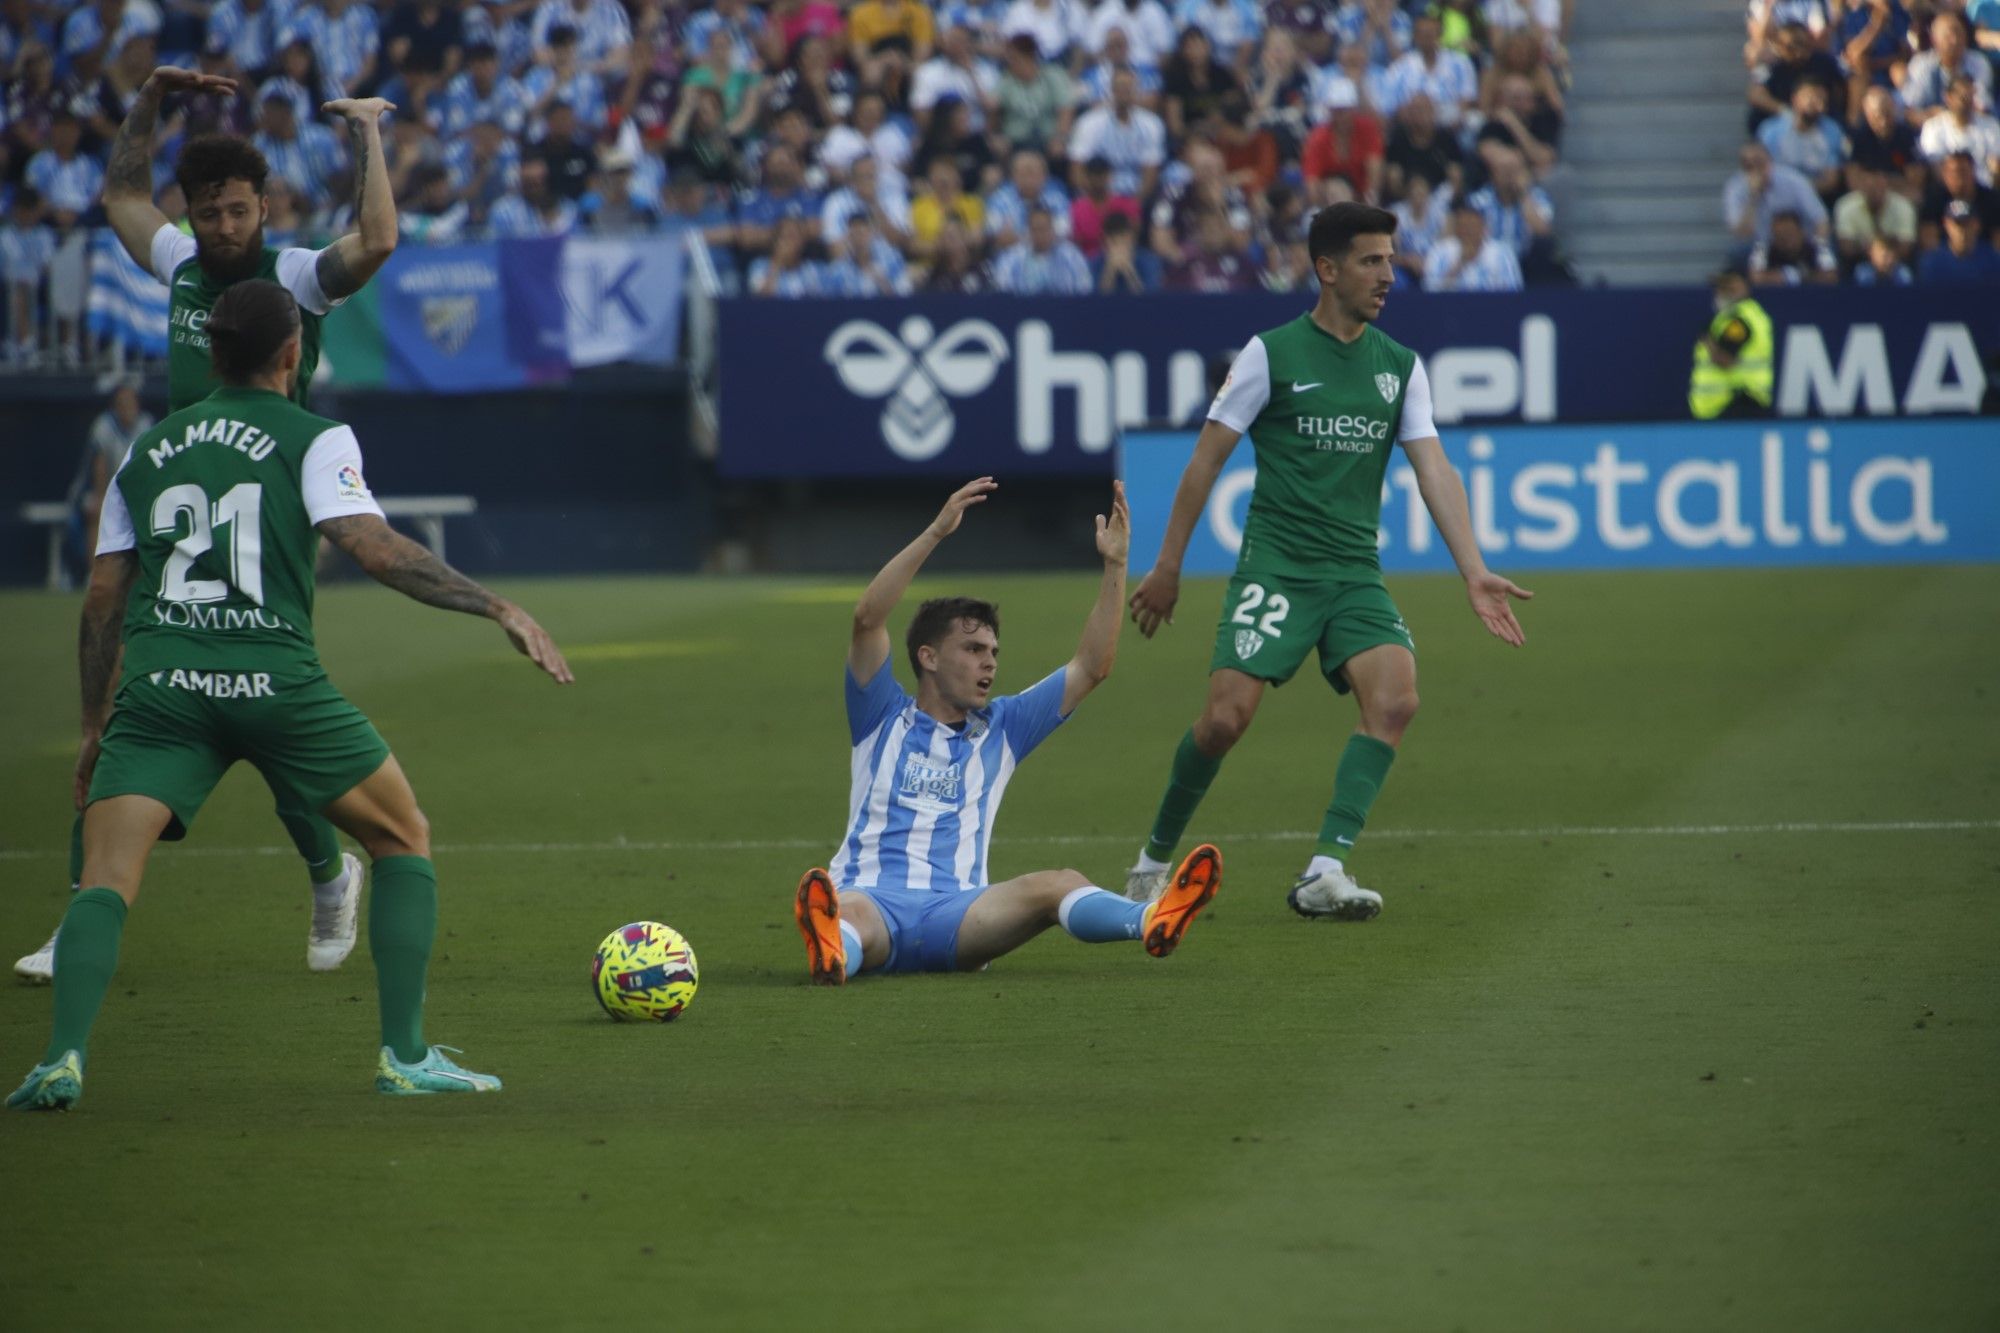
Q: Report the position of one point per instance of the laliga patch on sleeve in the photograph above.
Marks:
(349, 485)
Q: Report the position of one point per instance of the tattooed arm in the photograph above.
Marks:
(346, 265)
(128, 175)
(395, 561)
(98, 645)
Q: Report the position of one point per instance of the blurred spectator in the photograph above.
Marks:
(878, 194)
(94, 30)
(566, 147)
(954, 264)
(1793, 59)
(562, 78)
(1418, 148)
(1123, 267)
(1197, 91)
(739, 85)
(1520, 56)
(1883, 266)
(1421, 216)
(1215, 262)
(424, 41)
(481, 92)
(1950, 57)
(27, 248)
(1232, 26)
(820, 89)
(735, 17)
(1883, 141)
(1028, 187)
(1131, 138)
(1965, 257)
(1378, 27)
(692, 204)
(602, 31)
(1808, 140)
(1095, 205)
(1043, 263)
(1347, 152)
(1181, 208)
(955, 72)
(1872, 211)
(30, 102)
(871, 132)
(482, 165)
(1962, 129)
(1468, 260)
(889, 38)
(67, 178)
(536, 210)
(792, 22)
(868, 265)
(1446, 77)
(1113, 57)
(947, 199)
(1035, 100)
(284, 223)
(22, 22)
(1520, 121)
(346, 41)
(783, 197)
(1056, 25)
(122, 421)
(1767, 18)
(218, 113)
(1313, 25)
(1760, 190)
(1464, 27)
(250, 30)
(1281, 94)
(787, 271)
(951, 136)
(1517, 212)
(1874, 40)
(1147, 29)
(102, 104)
(612, 206)
(298, 71)
(431, 211)
(698, 142)
(1957, 182)
(1287, 268)
(1792, 257)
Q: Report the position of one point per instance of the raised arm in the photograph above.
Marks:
(868, 648)
(345, 266)
(98, 641)
(1098, 648)
(395, 561)
(1153, 601)
(1444, 496)
(128, 174)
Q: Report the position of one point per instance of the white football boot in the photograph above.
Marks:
(331, 937)
(39, 967)
(1146, 886)
(1332, 894)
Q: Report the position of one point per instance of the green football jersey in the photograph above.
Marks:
(1322, 416)
(219, 501)
(192, 294)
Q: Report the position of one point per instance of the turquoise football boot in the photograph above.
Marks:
(55, 1086)
(434, 1073)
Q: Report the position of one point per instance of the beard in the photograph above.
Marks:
(235, 266)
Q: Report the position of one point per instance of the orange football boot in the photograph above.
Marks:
(817, 910)
(1193, 884)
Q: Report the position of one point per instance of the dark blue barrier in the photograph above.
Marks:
(957, 386)
(1642, 497)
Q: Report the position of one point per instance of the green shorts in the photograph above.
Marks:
(1270, 622)
(174, 733)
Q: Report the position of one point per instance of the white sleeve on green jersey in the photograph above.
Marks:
(330, 479)
(1247, 389)
(1417, 422)
(114, 522)
(298, 273)
(172, 247)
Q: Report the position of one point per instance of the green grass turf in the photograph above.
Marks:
(1574, 1080)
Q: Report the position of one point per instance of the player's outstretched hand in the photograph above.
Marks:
(1488, 594)
(360, 110)
(534, 643)
(86, 766)
(1114, 534)
(174, 79)
(1152, 602)
(972, 493)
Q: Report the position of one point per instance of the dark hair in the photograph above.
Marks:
(937, 618)
(1334, 228)
(251, 322)
(210, 160)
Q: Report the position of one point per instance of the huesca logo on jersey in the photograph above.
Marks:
(1344, 434)
(925, 782)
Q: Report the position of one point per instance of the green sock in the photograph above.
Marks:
(317, 842)
(1193, 771)
(76, 853)
(1364, 767)
(402, 922)
(86, 956)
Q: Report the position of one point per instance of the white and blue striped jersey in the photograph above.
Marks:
(925, 794)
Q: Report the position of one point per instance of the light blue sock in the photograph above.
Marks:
(852, 938)
(1096, 916)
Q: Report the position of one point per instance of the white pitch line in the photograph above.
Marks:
(1086, 839)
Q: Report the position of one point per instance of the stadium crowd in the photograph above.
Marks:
(1873, 151)
(861, 147)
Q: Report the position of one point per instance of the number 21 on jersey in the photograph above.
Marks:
(240, 510)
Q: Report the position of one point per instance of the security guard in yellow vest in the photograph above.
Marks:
(1732, 362)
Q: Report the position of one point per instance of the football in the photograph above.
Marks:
(644, 971)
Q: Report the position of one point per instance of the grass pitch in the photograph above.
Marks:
(1682, 1013)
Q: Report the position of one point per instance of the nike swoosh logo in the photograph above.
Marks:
(1301, 388)
(188, 282)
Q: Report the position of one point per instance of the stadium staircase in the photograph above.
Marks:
(1655, 119)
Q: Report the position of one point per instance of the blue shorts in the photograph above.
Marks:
(923, 926)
